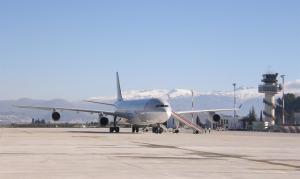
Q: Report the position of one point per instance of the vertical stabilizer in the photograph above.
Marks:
(119, 92)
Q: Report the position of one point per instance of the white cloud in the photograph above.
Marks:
(293, 86)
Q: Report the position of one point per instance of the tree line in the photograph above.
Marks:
(291, 106)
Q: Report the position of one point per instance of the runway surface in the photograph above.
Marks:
(94, 153)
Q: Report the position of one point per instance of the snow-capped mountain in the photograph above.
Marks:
(242, 93)
(180, 99)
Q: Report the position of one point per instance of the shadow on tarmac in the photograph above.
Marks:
(223, 156)
(98, 132)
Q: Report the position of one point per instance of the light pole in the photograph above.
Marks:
(234, 102)
(192, 106)
(283, 116)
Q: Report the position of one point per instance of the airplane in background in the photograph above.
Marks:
(139, 112)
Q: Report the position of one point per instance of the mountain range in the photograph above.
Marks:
(180, 99)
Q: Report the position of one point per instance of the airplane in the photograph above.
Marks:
(139, 112)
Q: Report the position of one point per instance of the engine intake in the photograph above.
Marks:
(216, 118)
(104, 121)
(55, 116)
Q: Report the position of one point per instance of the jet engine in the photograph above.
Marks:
(55, 116)
(104, 121)
(216, 118)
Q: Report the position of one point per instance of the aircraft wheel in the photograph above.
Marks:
(160, 130)
(137, 129)
(117, 129)
(133, 129)
(111, 129)
(196, 132)
(155, 130)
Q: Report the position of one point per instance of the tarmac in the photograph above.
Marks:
(95, 153)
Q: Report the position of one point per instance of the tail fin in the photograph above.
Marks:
(119, 92)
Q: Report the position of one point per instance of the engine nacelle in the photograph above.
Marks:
(216, 118)
(55, 116)
(104, 121)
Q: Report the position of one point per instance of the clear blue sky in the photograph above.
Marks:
(72, 49)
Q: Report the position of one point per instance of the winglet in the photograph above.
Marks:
(119, 92)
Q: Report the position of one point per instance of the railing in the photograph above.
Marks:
(187, 122)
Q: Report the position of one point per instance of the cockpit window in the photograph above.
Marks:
(162, 106)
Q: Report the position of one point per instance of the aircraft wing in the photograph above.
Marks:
(96, 102)
(208, 110)
(68, 109)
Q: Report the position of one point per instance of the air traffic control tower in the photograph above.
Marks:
(270, 87)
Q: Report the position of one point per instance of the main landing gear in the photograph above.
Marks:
(115, 128)
(157, 129)
(135, 129)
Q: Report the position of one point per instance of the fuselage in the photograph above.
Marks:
(144, 111)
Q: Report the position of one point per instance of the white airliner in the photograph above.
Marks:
(140, 112)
